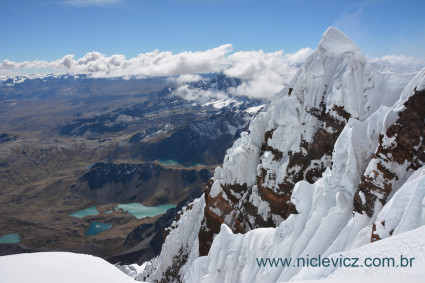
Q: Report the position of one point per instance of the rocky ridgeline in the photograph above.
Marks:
(319, 166)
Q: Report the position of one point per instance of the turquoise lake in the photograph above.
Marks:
(97, 227)
(88, 211)
(169, 162)
(136, 209)
(140, 211)
(10, 239)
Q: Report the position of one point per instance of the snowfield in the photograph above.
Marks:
(409, 245)
(393, 278)
(326, 224)
(59, 267)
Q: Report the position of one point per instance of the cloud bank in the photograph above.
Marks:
(401, 64)
(151, 64)
(263, 73)
(199, 95)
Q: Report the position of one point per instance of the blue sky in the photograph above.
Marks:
(50, 29)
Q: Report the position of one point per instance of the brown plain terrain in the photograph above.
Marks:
(36, 200)
(37, 170)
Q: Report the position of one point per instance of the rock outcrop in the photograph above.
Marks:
(318, 167)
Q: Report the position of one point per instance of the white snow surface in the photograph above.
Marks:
(409, 245)
(255, 109)
(391, 278)
(58, 267)
(325, 224)
(221, 103)
(183, 239)
(338, 74)
(336, 71)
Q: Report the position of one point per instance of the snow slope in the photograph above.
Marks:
(181, 247)
(232, 257)
(58, 267)
(333, 163)
(390, 278)
(325, 223)
(294, 138)
(410, 244)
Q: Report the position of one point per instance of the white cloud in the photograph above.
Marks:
(151, 64)
(199, 95)
(186, 78)
(264, 74)
(401, 64)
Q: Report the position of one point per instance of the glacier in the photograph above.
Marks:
(317, 173)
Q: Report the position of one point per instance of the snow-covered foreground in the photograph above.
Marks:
(410, 245)
(411, 278)
(58, 267)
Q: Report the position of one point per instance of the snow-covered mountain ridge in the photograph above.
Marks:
(334, 163)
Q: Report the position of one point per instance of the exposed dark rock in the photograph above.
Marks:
(4, 138)
(310, 162)
(105, 173)
(277, 154)
(204, 141)
(109, 182)
(290, 90)
(402, 144)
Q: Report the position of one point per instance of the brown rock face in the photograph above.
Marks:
(309, 158)
(233, 206)
(401, 151)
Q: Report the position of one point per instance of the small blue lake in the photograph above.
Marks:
(88, 211)
(97, 227)
(10, 239)
(140, 211)
(169, 162)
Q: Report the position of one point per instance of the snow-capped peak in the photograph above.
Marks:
(335, 43)
(300, 170)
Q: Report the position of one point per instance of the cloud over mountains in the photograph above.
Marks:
(263, 73)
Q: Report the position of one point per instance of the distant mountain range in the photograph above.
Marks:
(107, 141)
